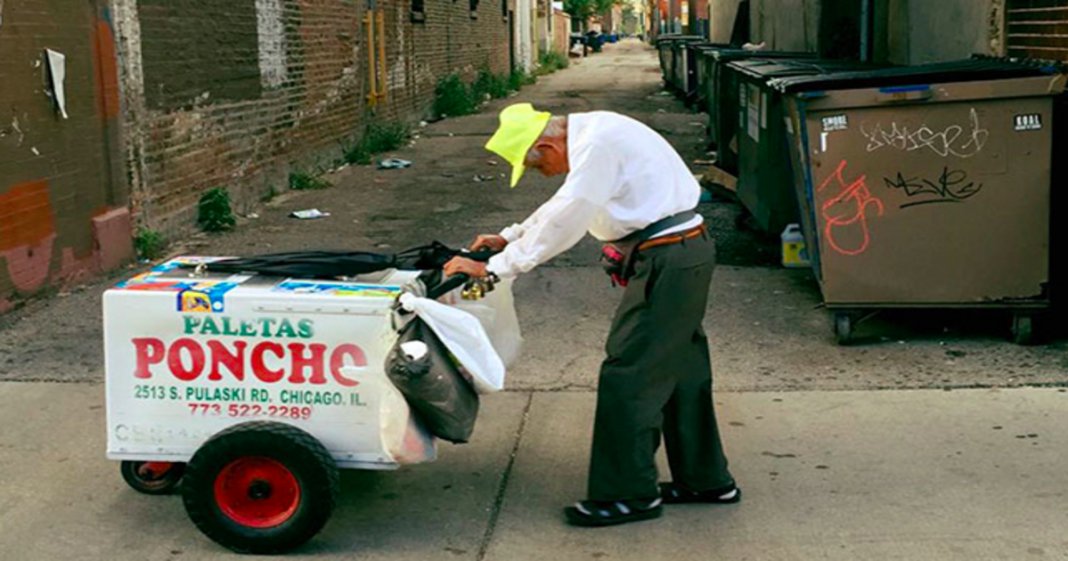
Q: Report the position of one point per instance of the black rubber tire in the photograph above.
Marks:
(164, 485)
(306, 459)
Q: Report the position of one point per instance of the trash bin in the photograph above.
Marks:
(695, 76)
(721, 98)
(927, 186)
(765, 176)
(679, 67)
(663, 50)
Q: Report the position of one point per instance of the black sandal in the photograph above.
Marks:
(673, 493)
(609, 513)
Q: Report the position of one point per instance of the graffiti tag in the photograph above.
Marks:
(848, 209)
(951, 186)
(954, 140)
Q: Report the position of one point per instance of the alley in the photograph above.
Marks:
(935, 438)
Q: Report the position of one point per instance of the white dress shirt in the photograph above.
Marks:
(623, 177)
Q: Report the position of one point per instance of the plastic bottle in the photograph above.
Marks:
(794, 250)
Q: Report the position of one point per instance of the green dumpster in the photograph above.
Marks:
(765, 176)
(721, 98)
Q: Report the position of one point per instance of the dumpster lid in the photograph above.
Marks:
(736, 54)
(767, 69)
(674, 38)
(969, 70)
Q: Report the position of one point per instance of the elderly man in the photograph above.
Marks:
(628, 188)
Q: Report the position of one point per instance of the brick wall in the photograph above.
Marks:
(236, 94)
(1038, 29)
(561, 31)
(62, 194)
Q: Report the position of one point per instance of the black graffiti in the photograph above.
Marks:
(952, 186)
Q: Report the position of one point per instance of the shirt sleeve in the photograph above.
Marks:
(560, 223)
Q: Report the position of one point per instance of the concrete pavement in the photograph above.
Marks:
(960, 475)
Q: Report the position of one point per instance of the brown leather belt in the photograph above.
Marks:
(673, 238)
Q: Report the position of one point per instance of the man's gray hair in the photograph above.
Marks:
(555, 128)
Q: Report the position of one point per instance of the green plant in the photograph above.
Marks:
(488, 83)
(552, 61)
(149, 244)
(517, 79)
(213, 211)
(269, 195)
(358, 154)
(452, 97)
(303, 181)
(582, 10)
(379, 136)
(383, 136)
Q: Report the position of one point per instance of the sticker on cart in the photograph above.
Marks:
(835, 123)
(204, 297)
(1032, 122)
(338, 289)
(151, 282)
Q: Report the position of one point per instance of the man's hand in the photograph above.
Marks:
(463, 265)
(491, 241)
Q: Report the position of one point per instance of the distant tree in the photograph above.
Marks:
(585, 9)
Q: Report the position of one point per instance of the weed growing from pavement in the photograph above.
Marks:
(214, 213)
(517, 79)
(149, 244)
(378, 137)
(489, 85)
(552, 61)
(453, 98)
(300, 180)
(269, 195)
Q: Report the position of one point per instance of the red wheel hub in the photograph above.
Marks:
(150, 471)
(257, 492)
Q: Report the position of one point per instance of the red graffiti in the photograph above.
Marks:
(848, 209)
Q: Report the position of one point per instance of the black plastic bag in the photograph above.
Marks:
(433, 384)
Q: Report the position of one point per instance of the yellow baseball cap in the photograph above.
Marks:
(520, 127)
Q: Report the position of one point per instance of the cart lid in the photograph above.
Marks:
(968, 70)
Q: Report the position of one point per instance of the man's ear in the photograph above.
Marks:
(549, 144)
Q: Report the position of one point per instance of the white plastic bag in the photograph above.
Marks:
(496, 312)
(465, 338)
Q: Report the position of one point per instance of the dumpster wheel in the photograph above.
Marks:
(843, 327)
(1022, 328)
(152, 478)
(261, 487)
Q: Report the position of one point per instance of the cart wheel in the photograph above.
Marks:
(1022, 332)
(260, 487)
(152, 478)
(843, 327)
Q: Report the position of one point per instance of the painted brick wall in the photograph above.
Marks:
(236, 94)
(62, 203)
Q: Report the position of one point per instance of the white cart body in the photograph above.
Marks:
(190, 355)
